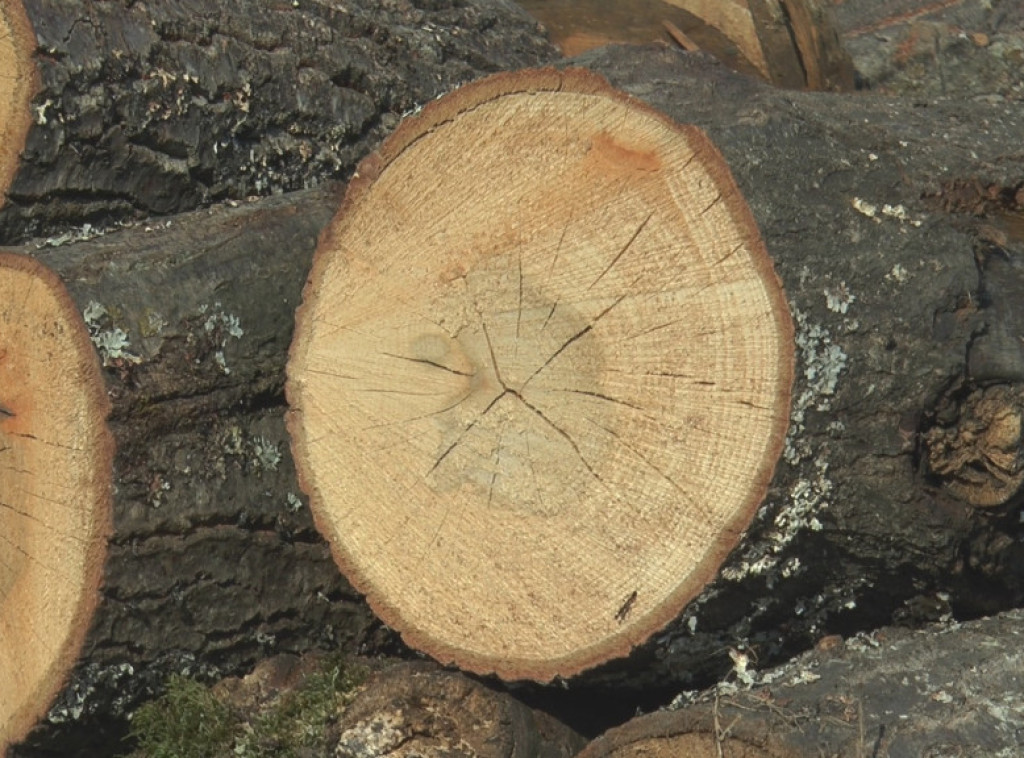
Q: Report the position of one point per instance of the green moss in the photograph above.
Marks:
(188, 721)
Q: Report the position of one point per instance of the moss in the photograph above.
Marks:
(300, 718)
(189, 721)
(186, 722)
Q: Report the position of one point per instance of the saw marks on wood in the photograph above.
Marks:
(55, 478)
(541, 374)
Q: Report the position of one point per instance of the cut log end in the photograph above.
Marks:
(541, 374)
(55, 489)
(18, 83)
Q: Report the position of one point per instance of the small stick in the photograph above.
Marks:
(680, 37)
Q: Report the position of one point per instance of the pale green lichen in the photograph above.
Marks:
(267, 454)
(218, 328)
(260, 453)
(822, 362)
(111, 341)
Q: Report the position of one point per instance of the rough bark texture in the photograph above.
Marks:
(214, 561)
(901, 325)
(947, 689)
(398, 708)
(153, 108)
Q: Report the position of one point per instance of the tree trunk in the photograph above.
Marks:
(123, 110)
(947, 689)
(897, 489)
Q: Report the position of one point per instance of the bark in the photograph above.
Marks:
(948, 689)
(163, 107)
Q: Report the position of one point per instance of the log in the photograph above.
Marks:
(902, 334)
(790, 43)
(55, 489)
(117, 112)
(879, 217)
(348, 707)
(416, 708)
(213, 561)
(543, 388)
(946, 689)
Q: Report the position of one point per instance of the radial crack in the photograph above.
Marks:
(601, 396)
(428, 362)
(494, 360)
(564, 434)
(464, 432)
(582, 332)
(622, 251)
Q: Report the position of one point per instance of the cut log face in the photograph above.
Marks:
(541, 374)
(55, 481)
(17, 84)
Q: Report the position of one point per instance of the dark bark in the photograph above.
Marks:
(949, 689)
(155, 108)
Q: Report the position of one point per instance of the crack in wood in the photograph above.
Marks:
(713, 203)
(581, 333)
(466, 431)
(601, 396)
(622, 252)
(428, 362)
(568, 438)
(494, 360)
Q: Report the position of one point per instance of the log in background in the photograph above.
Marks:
(155, 108)
(894, 311)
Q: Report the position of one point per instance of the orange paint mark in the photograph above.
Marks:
(613, 155)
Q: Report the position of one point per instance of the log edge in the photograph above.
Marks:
(16, 111)
(51, 683)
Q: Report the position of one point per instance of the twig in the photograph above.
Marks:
(680, 37)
